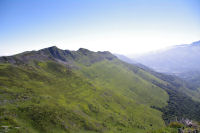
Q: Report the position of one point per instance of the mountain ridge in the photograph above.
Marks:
(84, 91)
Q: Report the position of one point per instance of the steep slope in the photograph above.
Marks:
(54, 90)
(183, 99)
(75, 91)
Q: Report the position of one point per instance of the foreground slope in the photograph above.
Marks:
(53, 90)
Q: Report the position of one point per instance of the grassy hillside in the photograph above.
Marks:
(55, 90)
(48, 95)
(184, 100)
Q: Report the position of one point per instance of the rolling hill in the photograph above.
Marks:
(54, 90)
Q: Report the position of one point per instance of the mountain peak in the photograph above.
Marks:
(84, 51)
(52, 47)
(55, 52)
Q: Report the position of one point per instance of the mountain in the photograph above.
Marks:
(181, 60)
(54, 90)
(177, 59)
(190, 88)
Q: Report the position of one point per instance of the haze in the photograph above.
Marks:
(123, 27)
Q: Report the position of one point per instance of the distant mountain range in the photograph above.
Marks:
(177, 59)
(56, 91)
(181, 60)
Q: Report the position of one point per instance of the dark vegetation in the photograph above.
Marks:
(180, 104)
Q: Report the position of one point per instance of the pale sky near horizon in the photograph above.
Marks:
(119, 26)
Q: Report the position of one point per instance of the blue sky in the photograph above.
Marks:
(120, 26)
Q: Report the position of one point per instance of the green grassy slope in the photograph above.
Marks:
(50, 96)
(55, 90)
(183, 101)
(115, 75)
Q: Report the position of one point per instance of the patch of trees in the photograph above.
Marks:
(179, 105)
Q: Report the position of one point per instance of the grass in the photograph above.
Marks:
(50, 96)
(53, 91)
